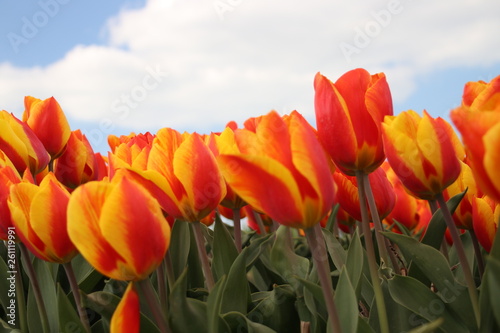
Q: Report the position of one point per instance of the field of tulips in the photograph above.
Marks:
(368, 222)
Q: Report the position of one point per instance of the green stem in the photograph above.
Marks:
(477, 251)
(169, 268)
(76, 294)
(372, 261)
(162, 288)
(457, 242)
(237, 229)
(30, 271)
(153, 303)
(260, 223)
(316, 242)
(384, 245)
(200, 244)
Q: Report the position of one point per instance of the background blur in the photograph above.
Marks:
(193, 65)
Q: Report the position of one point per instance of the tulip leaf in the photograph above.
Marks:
(437, 226)
(335, 249)
(435, 267)
(214, 302)
(347, 303)
(428, 327)
(286, 262)
(236, 284)
(48, 290)
(105, 303)
(490, 321)
(363, 326)
(494, 287)
(416, 297)
(179, 246)
(455, 261)
(224, 249)
(69, 321)
(276, 309)
(86, 275)
(195, 278)
(4, 283)
(239, 323)
(330, 223)
(316, 291)
(32, 313)
(355, 261)
(185, 314)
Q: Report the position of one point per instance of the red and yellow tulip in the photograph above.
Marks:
(8, 176)
(39, 215)
(421, 151)
(47, 120)
(478, 120)
(485, 214)
(21, 145)
(110, 223)
(282, 170)
(126, 318)
(349, 114)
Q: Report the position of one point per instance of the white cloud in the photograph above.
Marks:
(261, 55)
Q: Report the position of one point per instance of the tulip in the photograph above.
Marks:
(348, 115)
(47, 120)
(421, 152)
(77, 165)
(8, 176)
(478, 121)
(281, 171)
(485, 214)
(348, 198)
(110, 223)
(126, 317)
(21, 145)
(39, 215)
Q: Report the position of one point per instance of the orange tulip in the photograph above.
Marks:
(47, 120)
(77, 165)
(8, 176)
(21, 145)
(348, 198)
(478, 120)
(129, 151)
(421, 151)
(282, 170)
(111, 222)
(39, 215)
(485, 215)
(349, 114)
(126, 317)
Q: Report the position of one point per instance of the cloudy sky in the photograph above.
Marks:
(119, 66)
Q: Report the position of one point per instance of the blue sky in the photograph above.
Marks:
(120, 66)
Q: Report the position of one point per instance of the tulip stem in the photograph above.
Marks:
(457, 242)
(76, 294)
(36, 287)
(260, 223)
(237, 229)
(153, 303)
(384, 245)
(200, 244)
(316, 242)
(372, 261)
(477, 251)
(162, 290)
(169, 269)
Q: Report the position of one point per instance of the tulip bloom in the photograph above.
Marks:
(8, 176)
(77, 165)
(349, 114)
(478, 120)
(126, 317)
(282, 170)
(112, 222)
(348, 198)
(39, 215)
(485, 214)
(47, 120)
(21, 145)
(421, 151)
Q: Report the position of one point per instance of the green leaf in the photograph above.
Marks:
(239, 323)
(488, 322)
(332, 218)
(4, 284)
(286, 262)
(224, 250)
(48, 290)
(346, 303)
(185, 314)
(276, 310)
(215, 322)
(335, 249)
(180, 242)
(86, 275)
(429, 327)
(69, 321)
(32, 313)
(236, 284)
(355, 261)
(494, 286)
(416, 297)
(437, 226)
(105, 303)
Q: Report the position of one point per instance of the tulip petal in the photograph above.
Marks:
(266, 185)
(126, 318)
(491, 161)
